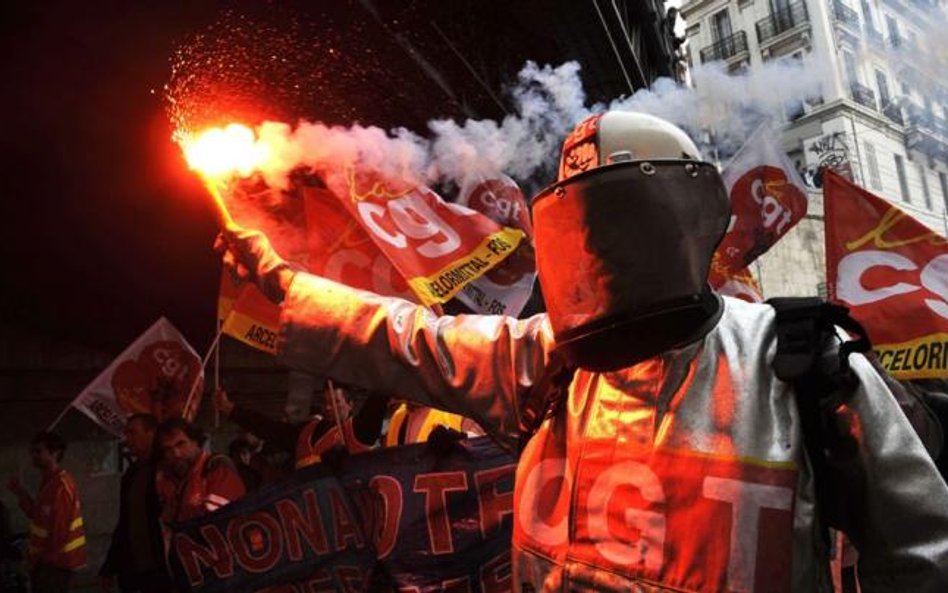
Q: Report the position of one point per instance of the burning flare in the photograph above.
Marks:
(218, 154)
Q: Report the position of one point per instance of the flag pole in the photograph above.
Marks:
(217, 370)
(207, 356)
(61, 416)
(335, 411)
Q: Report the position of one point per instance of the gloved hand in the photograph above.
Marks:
(250, 257)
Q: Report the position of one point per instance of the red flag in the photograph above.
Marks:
(767, 199)
(892, 272)
(340, 248)
(438, 247)
(506, 289)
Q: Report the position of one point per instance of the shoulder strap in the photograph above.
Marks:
(546, 398)
(815, 360)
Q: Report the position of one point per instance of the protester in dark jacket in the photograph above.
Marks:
(136, 555)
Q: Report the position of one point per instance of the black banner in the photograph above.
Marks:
(413, 517)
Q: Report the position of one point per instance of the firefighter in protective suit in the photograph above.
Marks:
(675, 461)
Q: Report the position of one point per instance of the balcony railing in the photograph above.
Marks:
(723, 49)
(782, 20)
(845, 14)
(918, 116)
(894, 113)
(863, 95)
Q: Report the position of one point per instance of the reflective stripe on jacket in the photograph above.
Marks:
(683, 473)
(211, 483)
(57, 534)
(414, 424)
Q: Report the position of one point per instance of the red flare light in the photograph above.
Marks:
(219, 153)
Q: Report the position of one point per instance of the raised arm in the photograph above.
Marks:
(473, 365)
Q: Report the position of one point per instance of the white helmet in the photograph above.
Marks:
(619, 136)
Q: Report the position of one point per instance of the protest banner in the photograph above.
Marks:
(430, 520)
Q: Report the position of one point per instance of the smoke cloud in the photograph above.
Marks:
(720, 112)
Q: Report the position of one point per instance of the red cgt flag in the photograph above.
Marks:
(767, 199)
(892, 272)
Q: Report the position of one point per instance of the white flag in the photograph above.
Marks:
(155, 375)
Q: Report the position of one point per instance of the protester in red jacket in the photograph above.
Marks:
(57, 544)
(192, 482)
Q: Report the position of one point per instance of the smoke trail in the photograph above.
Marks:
(722, 110)
(235, 67)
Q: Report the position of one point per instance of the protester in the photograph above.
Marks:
(57, 545)
(192, 482)
(136, 553)
(309, 441)
(669, 456)
(241, 453)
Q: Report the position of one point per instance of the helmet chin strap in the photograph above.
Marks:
(629, 337)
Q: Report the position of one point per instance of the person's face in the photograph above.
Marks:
(179, 452)
(41, 457)
(138, 439)
(342, 403)
(244, 457)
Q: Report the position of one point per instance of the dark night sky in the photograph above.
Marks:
(105, 229)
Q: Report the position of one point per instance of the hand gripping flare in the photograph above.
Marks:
(249, 256)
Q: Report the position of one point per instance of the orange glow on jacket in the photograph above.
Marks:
(57, 535)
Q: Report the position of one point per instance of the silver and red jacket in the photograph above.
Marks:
(683, 473)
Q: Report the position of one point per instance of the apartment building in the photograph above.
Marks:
(882, 119)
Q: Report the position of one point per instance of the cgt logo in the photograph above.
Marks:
(870, 276)
(683, 521)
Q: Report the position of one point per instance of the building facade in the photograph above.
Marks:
(882, 119)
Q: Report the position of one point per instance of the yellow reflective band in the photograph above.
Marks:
(76, 523)
(38, 531)
(74, 544)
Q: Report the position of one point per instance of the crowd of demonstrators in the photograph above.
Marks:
(57, 541)
(311, 440)
(638, 372)
(136, 553)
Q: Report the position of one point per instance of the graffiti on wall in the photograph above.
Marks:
(830, 152)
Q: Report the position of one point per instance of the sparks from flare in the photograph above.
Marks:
(219, 154)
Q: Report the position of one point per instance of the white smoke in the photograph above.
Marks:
(720, 112)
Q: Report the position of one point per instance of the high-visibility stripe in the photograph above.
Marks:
(218, 500)
(76, 523)
(75, 544)
(38, 531)
(395, 425)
